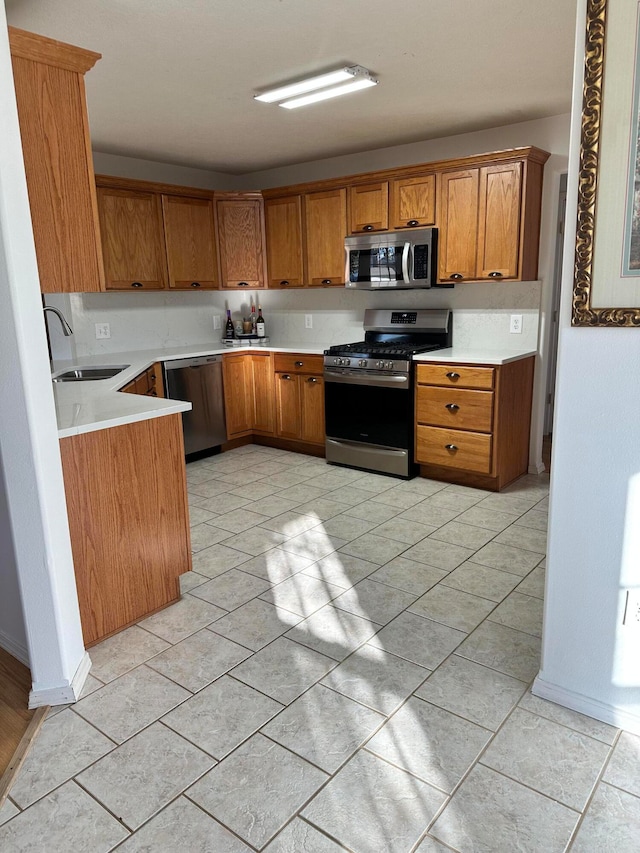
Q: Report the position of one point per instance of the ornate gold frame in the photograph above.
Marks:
(583, 314)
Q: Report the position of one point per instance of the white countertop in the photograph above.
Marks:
(89, 406)
(93, 405)
(462, 355)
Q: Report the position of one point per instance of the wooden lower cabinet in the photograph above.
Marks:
(148, 383)
(128, 519)
(299, 399)
(473, 422)
(248, 393)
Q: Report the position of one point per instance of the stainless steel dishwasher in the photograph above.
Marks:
(199, 382)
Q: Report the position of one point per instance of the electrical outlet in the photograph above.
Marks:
(217, 322)
(631, 617)
(103, 330)
(515, 326)
(308, 321)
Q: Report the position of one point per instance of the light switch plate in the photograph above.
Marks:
(217, 323)
(103, 331)
(308, 321)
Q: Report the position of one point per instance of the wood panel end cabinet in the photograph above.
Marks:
(52, 112)
(128, 517)
(473, 422)
(248, 394)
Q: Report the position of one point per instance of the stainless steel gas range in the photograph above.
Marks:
(369, 400)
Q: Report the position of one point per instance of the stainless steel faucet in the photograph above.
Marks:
(66, 328)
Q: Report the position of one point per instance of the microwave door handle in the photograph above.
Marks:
(405, 263)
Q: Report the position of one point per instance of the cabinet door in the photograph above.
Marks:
(369, 207)
(132, 239)
(283, 225)
(238, 400)
(312, 406)
(240, 235)
(499, 221)
(262, 389)
(57, 159)
(190, 240)
(288, 421)
(413, 202)
(458, 225)
(325, 215)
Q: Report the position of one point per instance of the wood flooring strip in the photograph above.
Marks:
(7, 778)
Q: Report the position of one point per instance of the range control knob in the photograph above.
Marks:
(362, 362)
(389, 365)
(337, 360)
(380, 364)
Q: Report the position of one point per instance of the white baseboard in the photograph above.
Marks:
(622, 718)
(537, 468)
(17, 650)
(63, 694)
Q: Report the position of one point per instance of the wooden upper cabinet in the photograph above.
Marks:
(132, 239)
(458, 220)
(413, 202)
(325, 217)
(241, 242)
(369, 207)
(190, 242)
(283, 226)
(499, 221)
(49, 84)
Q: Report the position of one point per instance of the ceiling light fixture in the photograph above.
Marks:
(321, 87)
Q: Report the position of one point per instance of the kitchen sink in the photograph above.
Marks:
(83, 374)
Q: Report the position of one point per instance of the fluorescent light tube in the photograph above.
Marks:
(320, 81)
(325, 94)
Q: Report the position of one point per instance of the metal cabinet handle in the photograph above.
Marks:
(153, 393)
(299, 363)
(450, 447)
(495, 275)
(453, 375)
(284, 283)
(195, 284)
(413, 222)
(456, 276)
(153, 377)
(312, 379)
(285, 376)
(367, 227)
(136, 284)
(326, 281)
(453, 407)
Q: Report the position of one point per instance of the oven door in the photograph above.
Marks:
(369, 420)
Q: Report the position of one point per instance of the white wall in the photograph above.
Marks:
(590, 662)
(151, 170)
(29, 449)
(13, 636)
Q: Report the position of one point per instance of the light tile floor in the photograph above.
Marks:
(348, 669)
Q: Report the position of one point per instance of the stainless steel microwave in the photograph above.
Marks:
(400, 260)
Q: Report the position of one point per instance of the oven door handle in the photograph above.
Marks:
(356, 378)
(405, 263)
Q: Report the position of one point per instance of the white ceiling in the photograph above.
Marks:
(177, 77)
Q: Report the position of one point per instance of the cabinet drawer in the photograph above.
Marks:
(470, 451)
(459, 375)
(455, 407)
(298, 363)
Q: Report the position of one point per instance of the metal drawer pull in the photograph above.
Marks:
(326, 281)
(495, 275)
(285, 376)
(453, 407)
(298, 363)
(243, 284)
(453, 375)
(312, 379)
(450, 447)
(284, 283)
(456, 276)
(195, 284)
(367, 227)
(413, 222)
(136, 284)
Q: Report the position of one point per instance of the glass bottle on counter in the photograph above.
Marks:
(229, 332)
(260, 330)
(253, 319)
